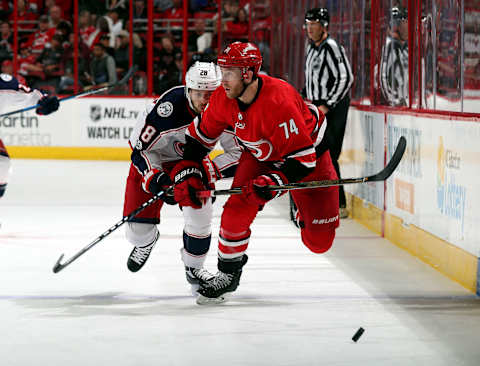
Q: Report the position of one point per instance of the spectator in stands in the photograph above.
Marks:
(66, 8)
(100, 30)
(105, 41)
(102, 67)
(85, 24)
(64, 28)
(198, 5)
(230, 9)
(448, 81)
(122, 52)
(5, 9)
(93, 6)
(115, 24)
(34, 6)
(6, 41)
(174, 17)
(162, 5)
(237, 29)
(41, 38)
(55, 13)
(25, 17)
(27, 63)
(51, 58)
(66, 83)
(167, 69)
(139, 9)
(200, 41)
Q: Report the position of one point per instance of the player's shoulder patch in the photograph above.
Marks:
(6, 78)
(165, 109)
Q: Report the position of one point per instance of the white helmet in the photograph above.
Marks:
(203, 76)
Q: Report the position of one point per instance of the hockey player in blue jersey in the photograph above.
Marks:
(14, 95)
(157, 142)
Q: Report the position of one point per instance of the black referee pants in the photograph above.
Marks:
(336, 122)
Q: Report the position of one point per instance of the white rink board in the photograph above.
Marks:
(82, 122)
(364, 136)
(436, 185)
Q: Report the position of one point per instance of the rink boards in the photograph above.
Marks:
(427, 207)
(84, 128)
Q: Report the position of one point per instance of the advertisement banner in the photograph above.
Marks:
(436, 185)
(364, 154)
(82, 122)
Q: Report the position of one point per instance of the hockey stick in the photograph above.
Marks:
(122, 81)
(380, 176)
(59, 266)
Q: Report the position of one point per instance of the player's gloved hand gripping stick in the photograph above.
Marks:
(380, 176)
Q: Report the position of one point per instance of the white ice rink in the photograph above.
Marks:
(292, 307)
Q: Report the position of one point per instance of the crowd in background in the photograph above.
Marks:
(46, 39)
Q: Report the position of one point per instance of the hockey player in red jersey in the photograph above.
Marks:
(279, 132)
(157, 142)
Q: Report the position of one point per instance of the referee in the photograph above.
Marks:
(394, 64)
(328, 79)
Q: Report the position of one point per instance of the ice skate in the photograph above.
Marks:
(196, 276)
(218, 288)
(139, 255)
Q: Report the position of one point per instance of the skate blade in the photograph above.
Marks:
(194, 289)
(202, 300)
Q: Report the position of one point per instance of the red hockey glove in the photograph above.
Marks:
(155, 182)
(187, 177)
(212, 174)
(48, 104)
(256, 191)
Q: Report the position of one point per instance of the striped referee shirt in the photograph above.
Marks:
(394, 72)
(328, 75)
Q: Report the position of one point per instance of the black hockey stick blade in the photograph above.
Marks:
(392, 164)
(123, 81)
(380, 176)
(59, 265)
(128, 75)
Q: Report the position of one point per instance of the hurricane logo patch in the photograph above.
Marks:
(261, 149)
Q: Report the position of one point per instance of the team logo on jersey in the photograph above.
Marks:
(178, 147)
(95, 112)
(240, 117)
(165, 109)
(239, 125)
(261, 149)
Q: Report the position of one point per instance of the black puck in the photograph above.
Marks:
(358, 334)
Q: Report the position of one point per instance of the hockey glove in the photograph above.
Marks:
(256, 190)
(187, 177)
(48, 104)
(155, 182)
(212, 174)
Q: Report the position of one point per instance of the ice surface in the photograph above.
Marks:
(292, 307)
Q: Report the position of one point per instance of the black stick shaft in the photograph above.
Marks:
(127, 77)
(380, 176)
(59, 266)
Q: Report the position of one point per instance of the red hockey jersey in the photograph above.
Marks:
(277, 125)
